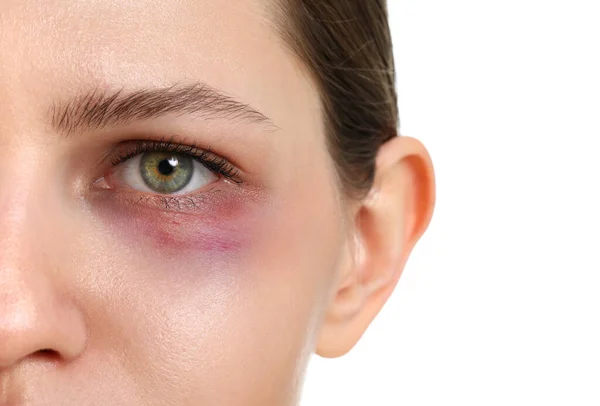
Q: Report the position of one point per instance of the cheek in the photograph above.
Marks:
(229, 295)
(232, 314)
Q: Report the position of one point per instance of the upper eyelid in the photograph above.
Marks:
(208, 158)
(141, 146)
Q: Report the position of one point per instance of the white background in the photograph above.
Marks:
(500, 302)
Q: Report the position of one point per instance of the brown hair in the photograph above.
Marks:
(347, 48)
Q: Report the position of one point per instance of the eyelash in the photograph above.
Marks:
(210, 160)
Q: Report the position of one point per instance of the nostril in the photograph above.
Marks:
(47, 353)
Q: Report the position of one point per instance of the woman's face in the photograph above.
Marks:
(131, 276)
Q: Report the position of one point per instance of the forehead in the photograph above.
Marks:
(64, 45)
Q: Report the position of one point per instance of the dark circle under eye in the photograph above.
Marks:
(165, 172)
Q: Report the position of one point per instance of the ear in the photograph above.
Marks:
(387, 225)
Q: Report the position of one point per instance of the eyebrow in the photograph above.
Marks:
(98, 109)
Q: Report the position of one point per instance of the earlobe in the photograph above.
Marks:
(387, 225)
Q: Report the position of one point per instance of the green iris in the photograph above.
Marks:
(166, 172)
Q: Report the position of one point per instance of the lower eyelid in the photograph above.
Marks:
(191, 203)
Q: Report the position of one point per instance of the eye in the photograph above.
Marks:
(164, 172)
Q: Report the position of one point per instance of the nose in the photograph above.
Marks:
(35, 322)
(39, 319)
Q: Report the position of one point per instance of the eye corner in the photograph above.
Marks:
(102, 183)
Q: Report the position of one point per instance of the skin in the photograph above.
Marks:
(109, 296)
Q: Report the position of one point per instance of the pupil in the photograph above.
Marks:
(165, 167)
